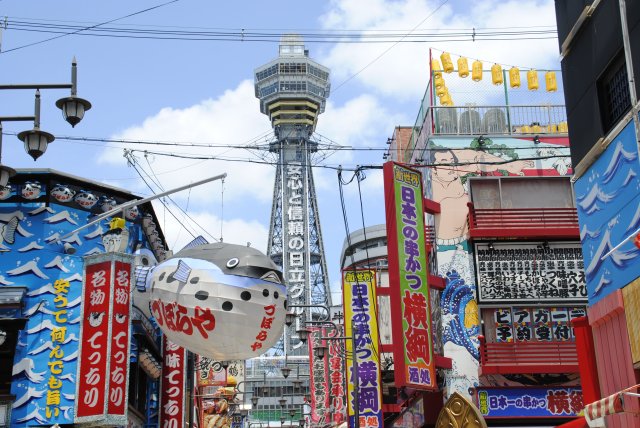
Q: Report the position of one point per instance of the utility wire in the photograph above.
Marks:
(79, 30)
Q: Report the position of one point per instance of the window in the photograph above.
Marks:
(613, 93)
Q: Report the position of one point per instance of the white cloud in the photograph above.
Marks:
(402, 71)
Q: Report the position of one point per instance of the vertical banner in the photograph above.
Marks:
(91, 400)
(103, 350)
(408, 272)
(359, 295)
(337, 379)
(172, 394)
(318, 375)
(120, 342)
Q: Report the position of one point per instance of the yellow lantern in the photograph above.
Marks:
(525, 129)
(563, 128)
(550, 79)
(446, 100)
(532, 80)
(496, 74)
(441, 90)
(463, 67)
(476, 71)
(514, 77)
(552, 128)
(438, 81)
(447, 64)
(536, 128)
(436, 68)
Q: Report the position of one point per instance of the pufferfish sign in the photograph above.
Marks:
(222, 301)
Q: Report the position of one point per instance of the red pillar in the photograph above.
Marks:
(586, 360)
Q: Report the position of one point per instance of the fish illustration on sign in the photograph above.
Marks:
(5, 192)
(31, 190)
(86, 199)
(222, 301)
(63, 193)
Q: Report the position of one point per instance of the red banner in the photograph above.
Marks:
(172, 396)
(336, 379)
(119, 360)
(94, 341)
(318, 376)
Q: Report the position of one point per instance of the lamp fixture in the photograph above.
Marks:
(289, 318)
(254, 401)
(35, 140)
(301, 422)
(282, 419)
(282, 402)
(303, 335)
(292, 412)
(68, 248)
(286, 371)
(320, 351)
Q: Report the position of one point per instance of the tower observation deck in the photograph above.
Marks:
(293, 90)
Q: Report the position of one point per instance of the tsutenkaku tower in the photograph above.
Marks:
(293, 90)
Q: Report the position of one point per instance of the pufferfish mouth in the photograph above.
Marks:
(271, 276)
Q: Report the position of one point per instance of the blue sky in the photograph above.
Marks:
(202, 92)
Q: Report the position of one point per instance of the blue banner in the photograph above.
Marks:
(530, 402)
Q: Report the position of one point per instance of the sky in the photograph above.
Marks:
(147, 89)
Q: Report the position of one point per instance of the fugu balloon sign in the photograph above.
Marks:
(223, 301)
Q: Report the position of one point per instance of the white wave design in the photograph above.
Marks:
(57, 263)
(68, 376)
(97, 232)
(42, 208)
(73, 239)
(602, 283)
(39, 307)
(95, 250)
(52, 238)
(75, 277)
(5, 281)
(619, 157)
(30, 393)
(34, 415)
(74, 321)
(61, 216)
(75, 302)
(635, 222)
(585, 233)
(26, 365)
(69, 397)
(45, 346)
(67, 411)
(42, 290)
(629, 178)
(30, 266)
(44, 325)
(589, 202)
(70, 357)
(33, 245)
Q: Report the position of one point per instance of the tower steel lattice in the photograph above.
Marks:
(292, 90)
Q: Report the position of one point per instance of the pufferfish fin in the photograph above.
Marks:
(141, 274)
(199, 240)
(182, 272)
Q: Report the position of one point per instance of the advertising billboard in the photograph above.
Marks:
(530, 402)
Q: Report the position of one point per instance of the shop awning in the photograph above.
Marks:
(619, 402)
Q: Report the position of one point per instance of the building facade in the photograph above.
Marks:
(507, 243)
(44, 291)
(600, 63)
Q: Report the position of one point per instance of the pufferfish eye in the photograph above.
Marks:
(231, 263)
(271, 276)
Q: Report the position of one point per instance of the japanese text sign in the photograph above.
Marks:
(408, 272)
(56, 356)
(337, 393)
(361, 324)
(318, 375)
(172, 394)
(530, 402)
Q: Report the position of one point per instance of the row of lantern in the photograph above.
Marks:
(497, 77)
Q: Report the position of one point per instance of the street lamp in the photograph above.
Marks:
(35, 140)
(286, 371)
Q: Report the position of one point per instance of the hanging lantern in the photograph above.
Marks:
(476, 71)
(496, 74)
(463, 67)
(525, 129)
(447, 64)
(438, 82)
(445, 100)
(550, 79)
(532, 80)
(441, 90)
(514, 77)
(552, 128)
(436, 69)
(563, 128)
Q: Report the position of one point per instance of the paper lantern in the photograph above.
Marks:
(514, 77)
(550, 79)
(62, 193)
(563, 128)
(447, 64)
(463, 67)
(525, 129)
(436, 69)
(536, 128)
(476, 71)
(552, 128)
(496, 74)
(532, 80)
(222, 301)
(438, 81)
(441, 90)
(445, 100)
